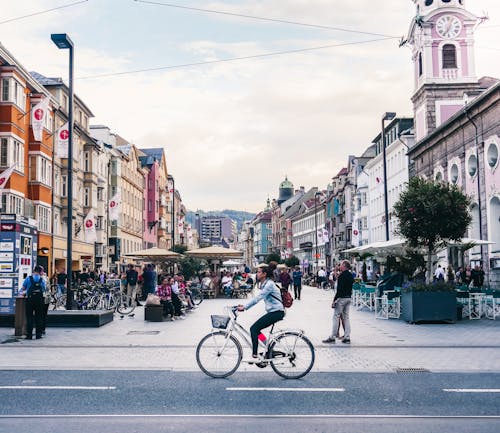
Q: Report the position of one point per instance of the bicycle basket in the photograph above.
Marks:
(219, 322)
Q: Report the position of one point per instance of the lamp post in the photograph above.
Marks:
(479, 214)
(63, 42)
(387, 116)
(316, 195)
(171, 181)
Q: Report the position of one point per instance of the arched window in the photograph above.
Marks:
(449, 56)
(420, 65)
(428, 2)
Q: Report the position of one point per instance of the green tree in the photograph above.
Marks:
(181, 249)
(273, 257)
(430, 214)
(291, 262)
(190, 266)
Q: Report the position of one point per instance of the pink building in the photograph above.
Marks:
(151, 208)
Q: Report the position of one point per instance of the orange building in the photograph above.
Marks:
(29, 190)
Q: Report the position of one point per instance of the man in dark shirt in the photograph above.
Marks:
(149, 280)
(341, 303)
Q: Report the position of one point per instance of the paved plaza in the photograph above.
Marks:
(377, 345)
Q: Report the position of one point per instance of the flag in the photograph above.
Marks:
(114, 207)
(89, 227)
(62, 141)
(379, 185)
(189, 234)
(355, 233)
(38, 113)
(4, 177)
(320, 235)
(326, 235)
(180, 226)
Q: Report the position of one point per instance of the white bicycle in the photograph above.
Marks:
(289, 352)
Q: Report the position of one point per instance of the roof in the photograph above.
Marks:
(286, 184)
(53, 81)
(342, 172)
(156, 153)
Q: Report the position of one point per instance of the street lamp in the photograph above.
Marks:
(479, 215)
(171, 181)
(316, 195)
(63, 42)
(387, 116)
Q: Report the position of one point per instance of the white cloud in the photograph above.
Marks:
(232, 131)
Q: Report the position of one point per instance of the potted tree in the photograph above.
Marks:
(431, 214)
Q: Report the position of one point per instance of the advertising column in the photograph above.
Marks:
(18, 250)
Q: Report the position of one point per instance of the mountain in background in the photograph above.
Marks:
(239, 216)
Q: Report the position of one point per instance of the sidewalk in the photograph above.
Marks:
(377, 345)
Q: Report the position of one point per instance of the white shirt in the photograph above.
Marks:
(321, 273)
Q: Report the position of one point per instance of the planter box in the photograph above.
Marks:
(429, 306)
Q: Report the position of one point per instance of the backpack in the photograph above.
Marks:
(286, 298)
(35, 288)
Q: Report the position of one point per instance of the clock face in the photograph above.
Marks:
(448, 26)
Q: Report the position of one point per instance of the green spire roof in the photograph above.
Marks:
(286, 184)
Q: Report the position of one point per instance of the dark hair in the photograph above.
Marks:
(268, 270)
(38, 269)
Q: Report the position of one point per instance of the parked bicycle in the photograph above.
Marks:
(196, 293)
(219, 354)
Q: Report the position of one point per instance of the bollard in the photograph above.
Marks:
(20, 317)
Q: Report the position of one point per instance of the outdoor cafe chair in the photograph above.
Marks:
(388, 306)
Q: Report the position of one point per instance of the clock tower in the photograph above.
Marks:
(442, 40)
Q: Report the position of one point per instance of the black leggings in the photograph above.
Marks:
(265, 321)
(297, 288)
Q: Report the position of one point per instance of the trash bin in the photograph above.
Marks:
(20, 317)
(460, 309)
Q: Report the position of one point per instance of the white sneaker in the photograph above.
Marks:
(251, 360)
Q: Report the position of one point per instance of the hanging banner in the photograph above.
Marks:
(326, 235)
(170, 190)
(4, 177)
(38, 114)
(62, 141)
(180, 226)
(89, 229)
(114, 207)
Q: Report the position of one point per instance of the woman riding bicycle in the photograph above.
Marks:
(275, 310)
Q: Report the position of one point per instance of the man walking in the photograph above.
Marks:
(297, 282)
(341, 303)
(132, 276)
(33, 289)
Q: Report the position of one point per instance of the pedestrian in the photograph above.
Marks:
(33, 289)
(60, 278)
(477, 275)
(297, 282)
(341, 303)
(285, 279)
(439, 274)
(132, 275)
(148, 281)
(46, 298)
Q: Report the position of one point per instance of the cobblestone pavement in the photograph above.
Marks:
(377, 345)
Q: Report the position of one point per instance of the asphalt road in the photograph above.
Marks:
(136, 401)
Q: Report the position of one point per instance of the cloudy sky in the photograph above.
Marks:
(233, 130)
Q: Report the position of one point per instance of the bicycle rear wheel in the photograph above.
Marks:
(292, 355)
(124, 304)
(219, 354)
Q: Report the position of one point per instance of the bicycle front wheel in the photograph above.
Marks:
(219, 354)
(197, 297)
(292, 355)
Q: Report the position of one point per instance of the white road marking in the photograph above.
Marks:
(58, 387)
(479, 390)
(188, 415)
(287, 389)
